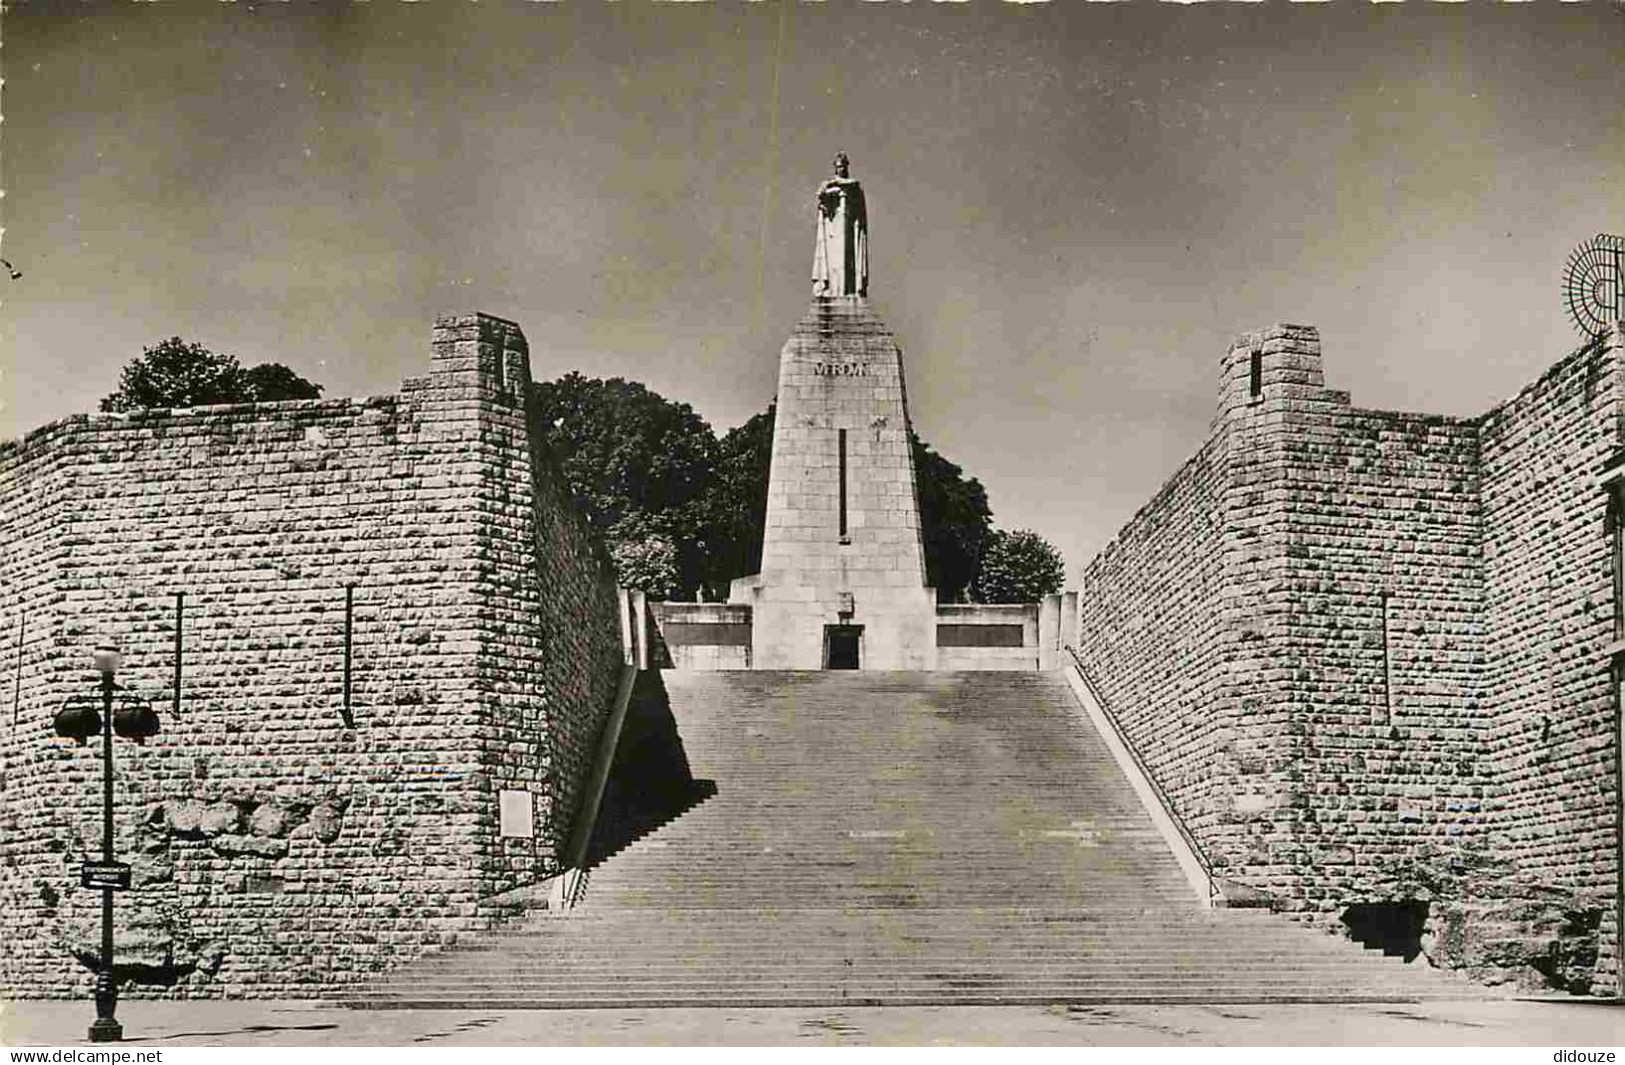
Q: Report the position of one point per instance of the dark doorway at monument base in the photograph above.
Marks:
(1395, 928)
(841, 644)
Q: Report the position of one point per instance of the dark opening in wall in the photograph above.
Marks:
(1395, 928)
(1255, 375)
(845, 537)
(1570, 958)
(349, 638)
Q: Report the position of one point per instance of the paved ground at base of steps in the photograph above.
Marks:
(280, 1024)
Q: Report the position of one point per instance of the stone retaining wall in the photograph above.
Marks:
(969, 636)
(1000, 636)
(1367, 654)
(1151, 634)
(283, 841)
(1551, 621)
(702, 635)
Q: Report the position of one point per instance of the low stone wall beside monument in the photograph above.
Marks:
(701, 635)
(1368, 654)
(987, 636)
(972, 636)
(397, 646)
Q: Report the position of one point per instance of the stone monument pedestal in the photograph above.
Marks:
(805, 627)
(842, 557)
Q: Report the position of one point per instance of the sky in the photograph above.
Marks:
(1073, 206)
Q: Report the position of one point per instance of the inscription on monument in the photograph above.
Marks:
(840, 369)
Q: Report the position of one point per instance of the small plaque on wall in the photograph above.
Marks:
(515, 817)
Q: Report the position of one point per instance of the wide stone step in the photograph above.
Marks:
(1036, 955)
(949, 988)
(1176, 969)
(614, 967)
(1037, 995)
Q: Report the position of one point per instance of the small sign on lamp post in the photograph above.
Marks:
(112, 876)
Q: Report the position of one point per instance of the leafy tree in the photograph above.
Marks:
(955, 521)
(175, 373)
(1018, 567)
(638, 464)
(645, 559)
(178, 373)
(271, 382)
(737, 508)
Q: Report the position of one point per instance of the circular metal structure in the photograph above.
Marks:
(1594, 284)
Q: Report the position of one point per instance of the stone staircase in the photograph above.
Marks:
(901, 838)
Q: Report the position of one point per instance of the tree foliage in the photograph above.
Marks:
(955, 521)
(737, 508)
(648, 561)
(638, 464)
(271, 382)
(179, 373)
(1018, 567)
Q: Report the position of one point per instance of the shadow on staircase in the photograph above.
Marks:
(650, 783)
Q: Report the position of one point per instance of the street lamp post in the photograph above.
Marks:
(79, 721)
(106, 1028)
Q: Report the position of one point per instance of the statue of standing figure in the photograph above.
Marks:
(841, 254)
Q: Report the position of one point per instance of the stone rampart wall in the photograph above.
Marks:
(1149, 633)
(1550, 626)
(1385, 614)
(1407, 622)
(284, 843)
